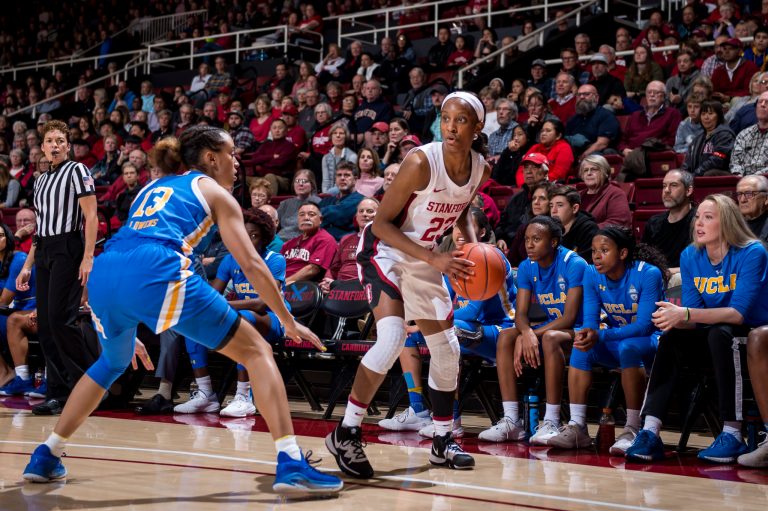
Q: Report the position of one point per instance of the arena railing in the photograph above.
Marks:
(539, 33)
(154, 28)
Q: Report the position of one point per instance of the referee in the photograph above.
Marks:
(64, 197)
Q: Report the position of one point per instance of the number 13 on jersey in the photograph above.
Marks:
(160, 197)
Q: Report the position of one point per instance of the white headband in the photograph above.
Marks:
(475, 103)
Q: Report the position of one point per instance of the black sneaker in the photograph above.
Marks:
(346, 445)
(156, 405)
(49, 407)
(445, 451)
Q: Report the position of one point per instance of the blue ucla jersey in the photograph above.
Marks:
(171, 210)
(740, 281)
(22, 300)
(627, 302)
(230, 270)
(550, 285)
(497, 310)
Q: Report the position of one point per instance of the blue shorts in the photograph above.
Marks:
(485, 348)
(624, 354)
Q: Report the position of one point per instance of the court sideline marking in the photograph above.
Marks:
(448, 485)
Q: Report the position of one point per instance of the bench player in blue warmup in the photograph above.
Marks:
(144, 277)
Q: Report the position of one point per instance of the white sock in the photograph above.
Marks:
(57, 444)
(633, 419)
(652, 424)
(354, 414)
(288, 445)
(442, 427)
(578, 414)
(22, 372)
(204, 384)
(243, 387)
(165, 389)
(552, 414)
(511, 410)
(733, 428)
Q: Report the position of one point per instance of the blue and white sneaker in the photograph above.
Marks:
(38, 392)
(725, 449)
(646, 447)
(17, 387)
(300, 477)
(44, 467)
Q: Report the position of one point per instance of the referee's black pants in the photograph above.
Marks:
(706, 348)
(67, 356)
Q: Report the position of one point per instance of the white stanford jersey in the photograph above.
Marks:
(432, 211)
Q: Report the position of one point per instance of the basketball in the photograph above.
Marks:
(490, 272)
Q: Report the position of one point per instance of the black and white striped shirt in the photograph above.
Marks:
(56, 198)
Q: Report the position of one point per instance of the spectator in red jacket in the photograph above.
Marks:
(563, 104)
(732, 79)
(557, 151)
(656, 120)
(275, 159)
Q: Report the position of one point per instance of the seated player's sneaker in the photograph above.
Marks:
(646, 447)
(757, 458)
(445, 451)
(240, 406)
(297, 477)
(346, 445)
(44, 467)
(38, 392)
(544, 431)
(199, 402)
(725, 449)
(156, 405)
(619, 448)
(571, 436)
(17, 387)
(428, 431)
(503, 431)
(407, 420)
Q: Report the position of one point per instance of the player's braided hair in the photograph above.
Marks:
(197, 139)
(624, 238)
(551, 224)
(263, 222)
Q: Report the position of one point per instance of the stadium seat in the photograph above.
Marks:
(501, 195)
(639, 219)
(616, 161)
(648, 193)
(660, 162)
(703, 186)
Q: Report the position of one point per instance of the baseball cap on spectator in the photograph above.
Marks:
(733, 41)
(410, 139)
(536, 158)
(235, 112)
(225, 90)
(538, 62)
(133, 139)
(698, 33)
(598, 57)
(439, 87)
(290, 110)
(81, 141)
(380, 126)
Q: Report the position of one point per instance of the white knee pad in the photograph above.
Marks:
(444, 351)
(390, 339)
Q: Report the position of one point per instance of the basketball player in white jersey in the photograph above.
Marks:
(402, 275)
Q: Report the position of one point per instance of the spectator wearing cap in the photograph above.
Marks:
(535, 169)
(373, 109)
(378, 137)
(294, 133)
(606, 84)
(679, 86)
(275, 159)
(758, 50)
(506, 116)
(592, 129)
(431, 131)
(407, 143)
(241, 136)
(82, 153)
(539, 79)
(616, 67)
(732, 79)
(563, 103)
(418, 101)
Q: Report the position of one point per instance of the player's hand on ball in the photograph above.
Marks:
(453, 265)
(299, 332)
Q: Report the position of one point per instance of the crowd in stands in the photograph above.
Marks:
(320, 141)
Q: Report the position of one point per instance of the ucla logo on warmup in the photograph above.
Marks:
(633, 293)
(561, 283)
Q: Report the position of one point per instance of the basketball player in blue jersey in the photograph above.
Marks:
(252, 308)
(403, 277)
(625, 283)
(725, 285)
(757, 357)
(553, 275)
(478, 324)
(143, 276)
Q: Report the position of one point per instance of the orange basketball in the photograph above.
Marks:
(490, 272)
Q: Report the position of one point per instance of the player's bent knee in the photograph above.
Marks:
(105, 371)
(390, 337)
(444, 353)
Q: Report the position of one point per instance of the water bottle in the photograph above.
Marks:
(38, 378)
(533, 412)
(606, 432)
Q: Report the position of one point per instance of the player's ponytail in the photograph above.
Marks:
(624, 238)
(166, 156)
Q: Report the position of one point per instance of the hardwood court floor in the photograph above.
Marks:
(202, 462)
